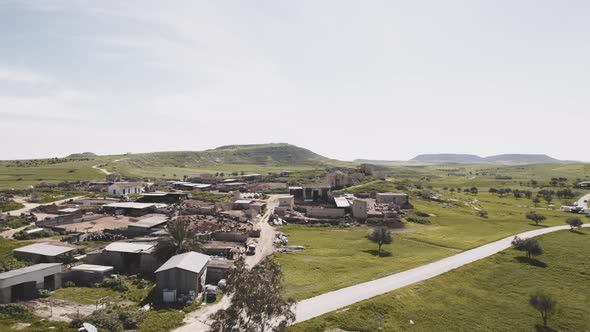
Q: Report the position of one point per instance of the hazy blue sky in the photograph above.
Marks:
(363, 79)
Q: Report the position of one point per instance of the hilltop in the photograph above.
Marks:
(82, 155)
(253, 154)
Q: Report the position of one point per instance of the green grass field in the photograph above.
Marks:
(339, 257)
(488, 295)
(89, 295)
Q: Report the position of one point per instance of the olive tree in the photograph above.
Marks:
(531, 246)
(544, 304)
(574, 222)
(381, 236)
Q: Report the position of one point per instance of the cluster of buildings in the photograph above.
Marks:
(227, 230)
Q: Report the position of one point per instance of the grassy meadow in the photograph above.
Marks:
(339, 257)
(488, 295)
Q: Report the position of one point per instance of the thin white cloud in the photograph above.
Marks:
(23, 75)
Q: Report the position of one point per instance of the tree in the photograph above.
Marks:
(531, 246)
(181, 239)
(574, 222)
(544, 304)
(257, 302)
(473, 190)
(537, 218)
(536, 200)
(381, 236)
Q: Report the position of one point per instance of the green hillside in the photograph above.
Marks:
(256, 154)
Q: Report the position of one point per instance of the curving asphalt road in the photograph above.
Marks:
(322, 304)
(583, 202)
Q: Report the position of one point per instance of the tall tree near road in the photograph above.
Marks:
(381, 236)
(257, 303)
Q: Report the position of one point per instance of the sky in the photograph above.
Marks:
(346, 79)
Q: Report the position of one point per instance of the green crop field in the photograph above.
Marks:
(488, 295)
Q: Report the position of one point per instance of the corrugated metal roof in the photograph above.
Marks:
(150, 222)
(92, 267)
(341, 202)
(243, 201)
(44, 249)
(189, 261)
(28, 269)
(67, 210)
(130, 247)
(130, 205)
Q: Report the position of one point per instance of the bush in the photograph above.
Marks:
(37, 235)
(482, 213)
(69, 284)
(114, 284)
(422, 214)
(131, 318)
(43, 293)
(417, 220)
(106, 319)
(14, 311)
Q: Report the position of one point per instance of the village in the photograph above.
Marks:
(118, 231)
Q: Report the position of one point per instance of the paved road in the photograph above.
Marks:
(198, 320)
(321, 304)
(583, 202)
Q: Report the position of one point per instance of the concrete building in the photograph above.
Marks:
(360, 208)
(399, 199)
(22, 284)
(287, 202)
(316, 192)
(182, 275)
(44, 253)
(87, 274)
(120, 189)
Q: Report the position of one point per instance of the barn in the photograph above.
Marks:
(182, 276)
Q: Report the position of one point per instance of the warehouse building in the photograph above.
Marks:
(22, 284)
(182, 276)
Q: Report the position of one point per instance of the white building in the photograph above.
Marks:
(119, 189)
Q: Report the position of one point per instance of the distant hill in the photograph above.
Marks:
(453, 158)
(82, 155)
(444, 158)
(256, 154)
(522, 159)
(449, 158)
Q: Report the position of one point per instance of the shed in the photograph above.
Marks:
(44, 253)
(183, 275)
(126, 256)
(147, 225)
(23, 283)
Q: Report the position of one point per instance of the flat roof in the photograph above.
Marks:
(230, 180)
(150, 222)
(234, 184)
(130, 205)
(44, 249)
(295, 188)
(67, 210)
(392, 194)
(244, 201)
(341, 202)
(189, 261)
(130, 247)
(92, 267)
(128, 184)
(28, 269)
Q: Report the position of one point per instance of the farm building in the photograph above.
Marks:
(126, 256)
(87, 274)
(182, 275)
(23, 283)
(132, 208)
(162, 197)
(400, 199)
(120, 189)
(287, 201)
(147, 225)
(44, 253)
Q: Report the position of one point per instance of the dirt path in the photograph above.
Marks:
(59, 310)
(104, 171)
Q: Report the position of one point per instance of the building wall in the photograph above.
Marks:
(384, 198)
(360, 209)
(117, 191)
(181, 280)
(287, 202)
(318, 211)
